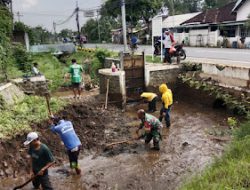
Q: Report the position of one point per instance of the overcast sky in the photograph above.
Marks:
(44, 12)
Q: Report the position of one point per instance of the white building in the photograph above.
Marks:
(224, 26)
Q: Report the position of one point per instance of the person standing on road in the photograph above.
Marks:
(168, 42)
(167, 101)
(70, 139)
(152, 127)
(41, 158)
(151, 98)
(76, 72)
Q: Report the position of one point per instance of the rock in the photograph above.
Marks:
(5, 164)
(9, 171)
(185, 144)
(1, 173)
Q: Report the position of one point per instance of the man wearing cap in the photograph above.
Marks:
(70, 139)
(41, 159)
(168, 42)
(152, 127)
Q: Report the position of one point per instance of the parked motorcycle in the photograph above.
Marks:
(180, 52)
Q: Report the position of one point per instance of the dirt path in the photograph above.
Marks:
(185, 149)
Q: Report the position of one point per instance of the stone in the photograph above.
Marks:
(5, 164)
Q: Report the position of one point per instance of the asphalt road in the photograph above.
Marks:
(238, 55)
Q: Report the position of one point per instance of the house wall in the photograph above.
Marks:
(202, 37)
(243, 11)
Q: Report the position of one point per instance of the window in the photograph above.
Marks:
(228, 31)
(244, 32)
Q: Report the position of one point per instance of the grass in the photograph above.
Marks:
(52, 68)
(231, 171)
(155, 60)
(16, 119)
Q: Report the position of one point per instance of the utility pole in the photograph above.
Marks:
(98, 22)
(78, 24)
(19, 16)
(124, 26)
(54, 27)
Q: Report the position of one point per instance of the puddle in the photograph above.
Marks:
(186, 148)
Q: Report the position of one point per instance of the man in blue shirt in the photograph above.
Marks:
(70, 139)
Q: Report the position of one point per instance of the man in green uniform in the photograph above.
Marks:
(152, 127)
(76, 71)
(41, 159)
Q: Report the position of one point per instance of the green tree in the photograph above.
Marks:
(183, 6)
(5, 46)
(135, 10)
(66, 33)
(215, 3)
(90, 29)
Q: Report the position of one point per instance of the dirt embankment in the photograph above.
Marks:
(89, 122)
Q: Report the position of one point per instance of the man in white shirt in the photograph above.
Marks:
(168, 42)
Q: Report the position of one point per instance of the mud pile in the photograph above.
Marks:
(89, 122)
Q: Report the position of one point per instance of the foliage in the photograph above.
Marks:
(232, 122)
(22, 59)
(135, 10)
(101, 54)
(53, 70)
(16, 119)
(231, 171)
(5, 46)
(189, 66)
(90, 29)
(239, 106)
(65, 33)
(155, 60)
(183, 6)
(215, 3)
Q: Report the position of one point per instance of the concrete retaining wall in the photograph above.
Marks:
(117, 89)
(238, 76)
(157, 74)
(34, 85)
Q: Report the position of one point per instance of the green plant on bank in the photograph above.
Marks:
(22, 58)
(231, 171)
(16, 119)
(156, 59)
(189, 66)
(232, 122)
(240, 107)
(52, 69)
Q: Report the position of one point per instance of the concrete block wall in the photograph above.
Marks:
(228, 75)
(156, 75)
(34, 85)
(117, 88)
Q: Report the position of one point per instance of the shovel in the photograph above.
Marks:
(32, 178)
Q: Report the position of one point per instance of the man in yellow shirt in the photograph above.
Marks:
(167, 101)
(151, 98)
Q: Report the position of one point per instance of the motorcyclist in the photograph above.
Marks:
(168, 42)
(134, 42)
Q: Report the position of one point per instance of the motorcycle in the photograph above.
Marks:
(180, 52)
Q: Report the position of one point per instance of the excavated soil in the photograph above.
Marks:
(89, 120)
(198, 134)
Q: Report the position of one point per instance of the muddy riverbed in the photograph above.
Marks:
(190, 144)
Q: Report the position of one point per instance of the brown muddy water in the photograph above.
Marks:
(187, 147)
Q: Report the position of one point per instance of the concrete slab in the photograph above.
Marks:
(11, 94)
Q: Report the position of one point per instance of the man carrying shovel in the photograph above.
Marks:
(41, 160)
(152, 127)
(70, 139)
